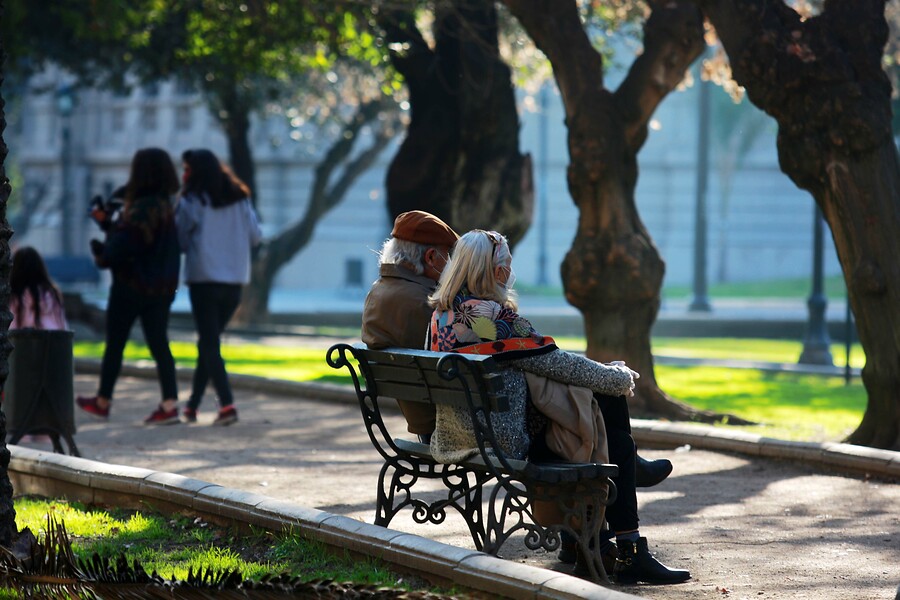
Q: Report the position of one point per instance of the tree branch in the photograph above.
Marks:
(401, 32)
(558, 32)
(673, 39)
(322, 199)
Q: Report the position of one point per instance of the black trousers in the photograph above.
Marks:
(622, 515)
(213, 305)
(122, 309)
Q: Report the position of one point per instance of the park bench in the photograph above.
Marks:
(473, 382)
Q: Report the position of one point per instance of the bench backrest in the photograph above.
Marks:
(432, 377)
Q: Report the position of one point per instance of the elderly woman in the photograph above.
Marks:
(475, 312)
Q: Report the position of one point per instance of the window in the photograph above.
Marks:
(183, 118)
(183, 87)
(118, 119)
(353, 272)
(151, 90)
(148, 118)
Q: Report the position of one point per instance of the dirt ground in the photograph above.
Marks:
(745, 527)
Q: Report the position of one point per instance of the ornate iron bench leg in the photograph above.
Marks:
(384, 508)
(466, 496)
(510, 510)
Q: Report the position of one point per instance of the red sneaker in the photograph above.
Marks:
(226, 416)
(89, 405)
(162, 417)
(189, 415)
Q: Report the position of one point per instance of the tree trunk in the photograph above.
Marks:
(613, 273)
(460, 159)
(7, 510)
(234, 117)
(327, 192)
(822, 80)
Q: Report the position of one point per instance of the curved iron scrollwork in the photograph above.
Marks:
(579, 504)
(463, 494)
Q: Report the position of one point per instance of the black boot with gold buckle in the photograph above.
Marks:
(637, 565)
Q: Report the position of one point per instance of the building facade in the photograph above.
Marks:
(759, 225)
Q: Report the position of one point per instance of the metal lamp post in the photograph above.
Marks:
(65, 103)
(543, 167)
(816, 344)
(700, 302)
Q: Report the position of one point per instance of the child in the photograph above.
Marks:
(35, 301)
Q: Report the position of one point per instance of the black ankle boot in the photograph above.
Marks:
(636, 564)
(648, 473)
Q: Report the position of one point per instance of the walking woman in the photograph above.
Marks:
(141, 250)
(217, 229)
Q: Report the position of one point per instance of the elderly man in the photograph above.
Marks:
(396, 312)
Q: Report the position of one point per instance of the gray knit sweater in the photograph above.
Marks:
(453, 440)
(578, 370)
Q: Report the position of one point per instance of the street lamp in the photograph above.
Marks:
(65, 104)
(816, 344)
(544, 173)
(700, 302)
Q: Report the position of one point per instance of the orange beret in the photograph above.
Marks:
(423, 228)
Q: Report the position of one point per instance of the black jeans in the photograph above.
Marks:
(213, 305)
(123, 308)
(622, 515)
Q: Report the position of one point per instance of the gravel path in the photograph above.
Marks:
(746, 527)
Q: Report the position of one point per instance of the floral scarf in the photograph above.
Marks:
(477, 326)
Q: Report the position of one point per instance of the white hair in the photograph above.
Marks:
(395, 252)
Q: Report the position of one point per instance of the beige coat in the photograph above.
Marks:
(576, 430)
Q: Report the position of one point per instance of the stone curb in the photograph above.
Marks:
(859, 460)
(847, 458)
(56, 475)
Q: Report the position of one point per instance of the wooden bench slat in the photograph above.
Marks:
(418, 383)
(417, 393)
(412, 374)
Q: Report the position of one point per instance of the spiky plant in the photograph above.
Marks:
(49, 569)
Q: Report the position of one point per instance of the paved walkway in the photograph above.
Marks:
(746, 527)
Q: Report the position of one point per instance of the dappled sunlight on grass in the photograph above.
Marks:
(779, 351)
(757, 350)
(788, 406)
(79, 520)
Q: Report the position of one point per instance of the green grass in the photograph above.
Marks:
(834, 288)
(277, 362)
(744, 349)
(172, 545)
(788, 406)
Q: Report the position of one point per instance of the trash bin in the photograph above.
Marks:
(38, 397)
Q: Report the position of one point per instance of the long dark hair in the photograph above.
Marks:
(30, 273)
(152, 174)
(207, 177)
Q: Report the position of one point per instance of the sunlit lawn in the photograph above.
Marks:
(788, 406)
(172, 545)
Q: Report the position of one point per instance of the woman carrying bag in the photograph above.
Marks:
(141, 250)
